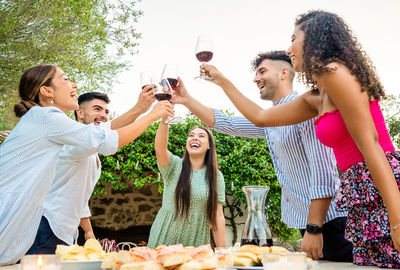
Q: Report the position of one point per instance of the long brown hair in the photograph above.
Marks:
(183, 188)
(31, 81)
(328, 39)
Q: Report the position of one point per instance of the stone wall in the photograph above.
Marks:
(118, 210)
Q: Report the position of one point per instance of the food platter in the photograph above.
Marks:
(81, 265)
(246, 268)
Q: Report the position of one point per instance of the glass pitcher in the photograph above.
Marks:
(256, 231)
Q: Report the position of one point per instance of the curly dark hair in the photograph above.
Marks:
(328, 39)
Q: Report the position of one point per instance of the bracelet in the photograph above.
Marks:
(394, 228)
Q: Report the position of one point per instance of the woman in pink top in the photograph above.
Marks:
(345, 91)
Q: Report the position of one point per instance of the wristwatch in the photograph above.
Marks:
(313, 229)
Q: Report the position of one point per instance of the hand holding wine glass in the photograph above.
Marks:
(204, 53)
(146, 98)
(181, 94)
(148, 84)
(213, 74)
(162, 109)
(168, 82)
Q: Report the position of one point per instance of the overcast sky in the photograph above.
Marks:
(240, 29)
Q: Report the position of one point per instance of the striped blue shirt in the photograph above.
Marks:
(305, 168)
(27, 164)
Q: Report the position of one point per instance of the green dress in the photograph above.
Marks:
(195, 231)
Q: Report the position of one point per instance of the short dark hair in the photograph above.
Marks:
(89, 96)
(271, 55)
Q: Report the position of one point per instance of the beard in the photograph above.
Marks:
(269, 91)
(266, 95)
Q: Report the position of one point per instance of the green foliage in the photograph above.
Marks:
(391, 110)
(86, 38)
(242, 161)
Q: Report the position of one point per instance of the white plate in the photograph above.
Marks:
(81, 265)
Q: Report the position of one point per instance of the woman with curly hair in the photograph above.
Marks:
(345, 94)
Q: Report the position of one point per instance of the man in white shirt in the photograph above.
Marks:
(66, 204)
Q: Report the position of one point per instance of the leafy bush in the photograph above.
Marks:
(391, 111)
(242, 161)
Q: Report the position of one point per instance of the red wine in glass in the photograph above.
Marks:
(163, 96)
(204, 53)
(204, 56)
(173, 82)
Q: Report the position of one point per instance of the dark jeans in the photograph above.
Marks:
(46, 241)
(335, 248)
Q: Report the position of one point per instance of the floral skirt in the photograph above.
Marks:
(368, 225)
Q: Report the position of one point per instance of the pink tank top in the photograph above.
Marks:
(331, 131)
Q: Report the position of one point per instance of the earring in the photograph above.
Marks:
(52, 101)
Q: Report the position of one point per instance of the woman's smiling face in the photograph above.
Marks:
(64, 92)
(197, 142)
(295, 51)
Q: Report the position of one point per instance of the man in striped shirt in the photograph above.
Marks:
(306, 169)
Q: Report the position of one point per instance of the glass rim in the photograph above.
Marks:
(255, 186)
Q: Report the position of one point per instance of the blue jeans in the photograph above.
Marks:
(45, 241)
(336, 247)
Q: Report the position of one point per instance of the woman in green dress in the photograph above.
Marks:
(194, 192)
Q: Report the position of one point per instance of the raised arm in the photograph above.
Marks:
(161, 144)
(204, 113)
(130, 132)
(237, 126)
(345, 93)
(290, 113)
(146, 98)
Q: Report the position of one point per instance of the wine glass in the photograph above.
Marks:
(170, 72)
(147, 78)
(168, 83)
(204, 53)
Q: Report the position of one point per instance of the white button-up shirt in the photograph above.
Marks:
(27, 164)
(67, 201)
(305, 168)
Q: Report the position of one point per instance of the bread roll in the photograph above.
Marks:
(225, 260)
(276, 249)
(254, 249)
(173, 255)
(190, 265)
(153, 265)
(203, 251)
(242, 261)
(141, 254)
(248, 255)
(209, 263)
(107, 262)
